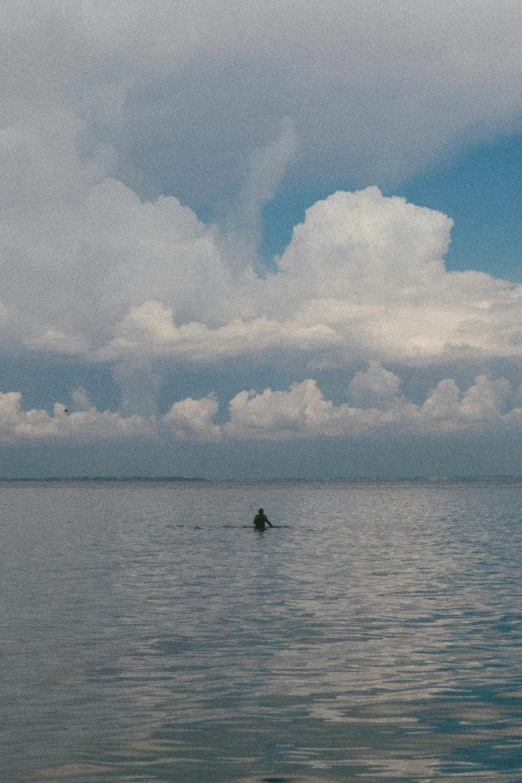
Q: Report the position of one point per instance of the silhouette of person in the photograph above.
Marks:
(261, 520)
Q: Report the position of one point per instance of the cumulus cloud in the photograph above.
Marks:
(374, 388)
(363, 277)
(188, 419)
(489, 405)
(71, 270)
(193, 419)
(372, 269)
(19, 426)
(108, 110)
(302, 411)
(102, 275)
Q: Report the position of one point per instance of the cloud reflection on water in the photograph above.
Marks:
(384, 643)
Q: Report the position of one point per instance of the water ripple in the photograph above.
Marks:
(377, 636)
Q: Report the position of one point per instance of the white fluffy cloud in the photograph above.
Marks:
(487, 406)
(302, 411)
(376, 387)
(193, 419)
(19, 426)
(363, 277)
(71, 270)
(107, 107)
(373, 267)
(102, 275)
(95, 93)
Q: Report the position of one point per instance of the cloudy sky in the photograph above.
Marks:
(261, 239)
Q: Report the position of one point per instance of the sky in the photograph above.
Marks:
(261, 240)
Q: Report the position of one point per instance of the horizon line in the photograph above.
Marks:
(289, 480)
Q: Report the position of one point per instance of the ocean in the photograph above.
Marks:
(148, 633)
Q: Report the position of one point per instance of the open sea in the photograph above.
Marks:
(148, 633)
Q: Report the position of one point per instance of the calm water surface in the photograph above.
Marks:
(147, 635)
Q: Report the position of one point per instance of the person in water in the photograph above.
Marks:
(261, 520)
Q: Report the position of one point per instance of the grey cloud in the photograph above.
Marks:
(376, 91)
(183, 93)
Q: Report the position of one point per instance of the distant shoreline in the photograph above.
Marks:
(101, 479)
(294, 480)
